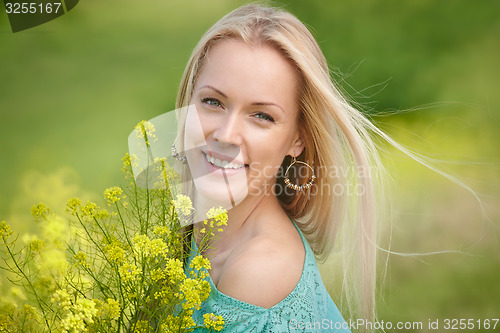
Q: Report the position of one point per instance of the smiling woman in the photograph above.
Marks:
(264, 126)
(245, 97)
(254, 103)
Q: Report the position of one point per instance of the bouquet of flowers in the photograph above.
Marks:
(123, 268)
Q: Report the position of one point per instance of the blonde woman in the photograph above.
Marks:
(268, 129)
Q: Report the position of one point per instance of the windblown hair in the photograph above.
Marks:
(338, 212)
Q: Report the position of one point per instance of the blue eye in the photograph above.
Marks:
(264, 116)
(212, 102)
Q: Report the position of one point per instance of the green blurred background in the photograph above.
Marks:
(428, 72)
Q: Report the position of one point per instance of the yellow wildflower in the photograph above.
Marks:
(168, 174)
(141, 326)
(90, 209)
(115, 252)
(175, 270)
(31, 313)
(132, 296)
(73, 205)
(134, 160)
(126, 161)
(109, 309)
(113, 194)
(174, 323)
(161, 230)
(40, 211)
(102, 214)
(145, 130)
(212, 321)
(7, 324)
(5, 230)
(36, 245)
(157, 274)
(80, 316)
(81, 259)
(113, 308)
(159, 163)
(158, 247)
(183, 205)
(194, 291)
(129, 271)
(141, 244)
(219, 216)
(62, 298)
(166, 296)
(129, 162)
(200, 262)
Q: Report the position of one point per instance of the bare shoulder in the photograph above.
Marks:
(265, 269)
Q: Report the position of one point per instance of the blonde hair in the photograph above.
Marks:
(338, 145)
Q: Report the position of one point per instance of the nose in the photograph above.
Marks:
(228, 132)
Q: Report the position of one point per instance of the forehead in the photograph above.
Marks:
(245, 70)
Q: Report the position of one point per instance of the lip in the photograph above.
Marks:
(224, 157)
(223, 171)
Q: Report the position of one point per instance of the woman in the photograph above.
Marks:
(269, 133)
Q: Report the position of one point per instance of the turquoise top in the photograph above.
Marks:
(308, 308)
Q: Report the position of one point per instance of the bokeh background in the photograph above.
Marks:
(427, 72)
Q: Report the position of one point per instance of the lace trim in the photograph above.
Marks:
(307, 304)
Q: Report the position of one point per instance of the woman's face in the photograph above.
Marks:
(243, 123)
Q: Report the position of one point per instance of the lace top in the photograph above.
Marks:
(308, 308)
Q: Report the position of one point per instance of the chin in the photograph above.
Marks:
(216, 191)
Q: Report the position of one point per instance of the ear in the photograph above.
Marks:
(296, 147)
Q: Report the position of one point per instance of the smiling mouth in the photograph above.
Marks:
(223, 163)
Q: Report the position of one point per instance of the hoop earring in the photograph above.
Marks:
(177, 156)
(295, 186)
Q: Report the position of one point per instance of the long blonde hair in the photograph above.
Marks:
(339, 211)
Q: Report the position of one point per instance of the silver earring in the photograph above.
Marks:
(176, 155)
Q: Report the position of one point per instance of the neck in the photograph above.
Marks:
(242, 222)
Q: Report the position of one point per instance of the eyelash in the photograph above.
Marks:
(262, 116)
(208, 100)
(265, 116)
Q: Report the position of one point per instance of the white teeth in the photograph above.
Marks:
(223, 164)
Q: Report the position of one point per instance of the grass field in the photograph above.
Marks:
(427, 72)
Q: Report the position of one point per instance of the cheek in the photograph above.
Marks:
(195, 129)
(206, 121)
(267, 160)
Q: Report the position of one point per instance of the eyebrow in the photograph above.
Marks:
(255, 103)
(214, 89)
